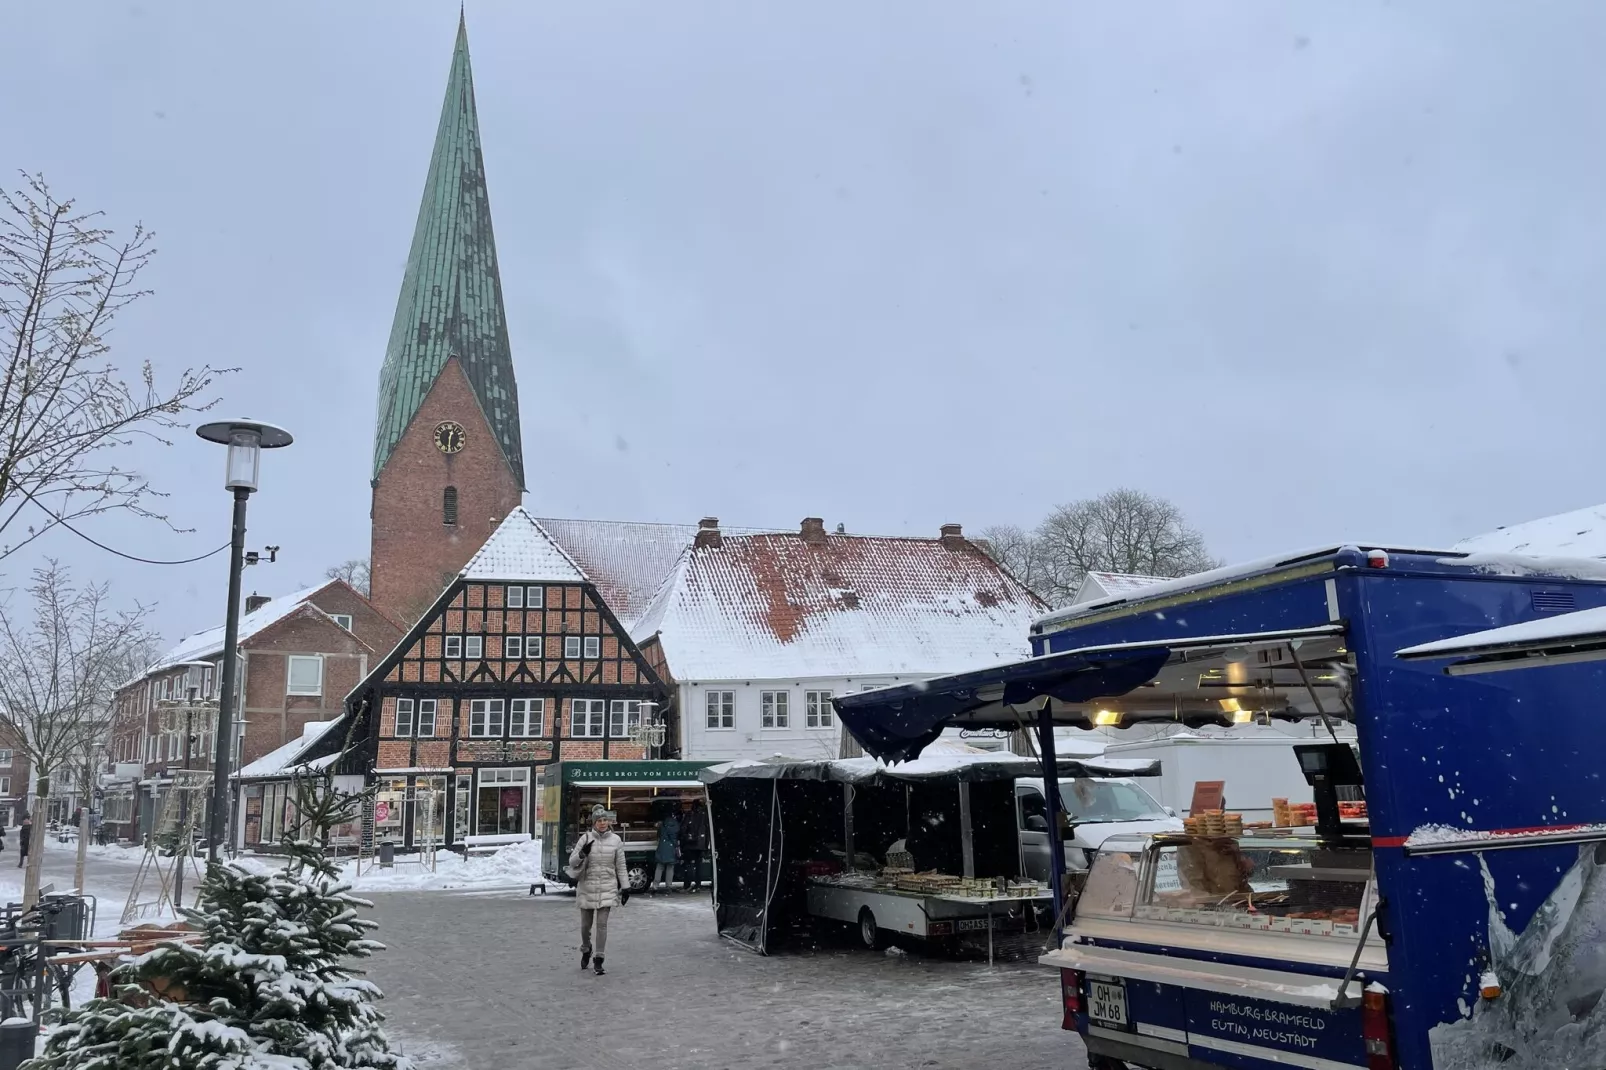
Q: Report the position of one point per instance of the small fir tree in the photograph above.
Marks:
(269, 987)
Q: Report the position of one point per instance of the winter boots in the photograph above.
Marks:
(585, 957)
(598, 966)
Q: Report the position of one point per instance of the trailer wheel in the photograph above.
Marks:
(870, 934)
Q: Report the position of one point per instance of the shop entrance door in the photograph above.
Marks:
(502, 806)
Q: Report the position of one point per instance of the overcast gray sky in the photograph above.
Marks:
(1311, 270)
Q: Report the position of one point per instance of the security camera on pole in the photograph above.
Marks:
(246, 439)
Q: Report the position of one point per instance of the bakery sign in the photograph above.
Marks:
(631, 772)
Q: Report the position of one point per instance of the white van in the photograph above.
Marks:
(1098, 807)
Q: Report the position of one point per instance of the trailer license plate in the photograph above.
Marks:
(1106, 1003)
(973, 925)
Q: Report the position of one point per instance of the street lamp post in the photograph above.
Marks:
(245, 440)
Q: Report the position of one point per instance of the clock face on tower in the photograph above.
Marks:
(450, 437)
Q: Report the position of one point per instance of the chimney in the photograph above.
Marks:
(708, 535)
(254, 601)
(953, 537)
(813, 531)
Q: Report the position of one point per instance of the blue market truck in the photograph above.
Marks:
(1447, 908)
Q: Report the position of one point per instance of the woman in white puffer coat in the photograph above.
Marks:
(602, 882)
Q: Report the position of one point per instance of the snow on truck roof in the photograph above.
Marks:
(1579, 533)
(1495, 564)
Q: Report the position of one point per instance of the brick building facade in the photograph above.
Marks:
(519, 662)
(299, 656)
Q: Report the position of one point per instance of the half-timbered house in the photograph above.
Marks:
(518, 663)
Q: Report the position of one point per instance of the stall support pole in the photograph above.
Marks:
(1056, 838)
(847, 824)
(966, 842)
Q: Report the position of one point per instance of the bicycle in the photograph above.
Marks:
(29, 980)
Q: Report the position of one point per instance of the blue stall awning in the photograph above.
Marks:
(896, 723)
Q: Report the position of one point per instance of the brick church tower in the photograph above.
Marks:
(448, 463)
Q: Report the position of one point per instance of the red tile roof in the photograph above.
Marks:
(777, 605)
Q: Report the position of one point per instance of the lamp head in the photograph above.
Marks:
(246, 439)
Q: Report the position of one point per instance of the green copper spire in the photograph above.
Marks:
(451, 296)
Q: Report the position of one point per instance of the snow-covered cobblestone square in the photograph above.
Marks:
(492, 980)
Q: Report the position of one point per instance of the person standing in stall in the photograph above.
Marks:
(693, 846)
(602, 882)
(668, 852)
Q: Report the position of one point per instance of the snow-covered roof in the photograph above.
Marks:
(209, 643)
(521, 549)
(627, 561)
(1580, 533)
(1111, 585)
(279, 761)
(785, 605)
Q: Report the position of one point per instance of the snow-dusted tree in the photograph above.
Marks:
(1121, 530)
(271, 985)
(62, 656)
(354, 572)
(63, 405)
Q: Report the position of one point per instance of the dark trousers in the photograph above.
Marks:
(692, 872)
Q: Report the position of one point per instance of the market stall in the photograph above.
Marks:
(925, 849)
(641, 794)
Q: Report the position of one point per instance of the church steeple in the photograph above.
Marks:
(451, 296)
(448, 463)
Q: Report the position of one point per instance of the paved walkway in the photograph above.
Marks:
(493, 980)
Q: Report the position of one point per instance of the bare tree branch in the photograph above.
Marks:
(1122, 530)
(62, 658)
(63, 404)
(354, 572)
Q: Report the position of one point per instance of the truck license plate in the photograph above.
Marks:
(1106, 1003)
(973, 925)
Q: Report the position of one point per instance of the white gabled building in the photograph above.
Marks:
(757, 633)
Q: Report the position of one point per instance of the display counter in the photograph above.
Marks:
(925, 905)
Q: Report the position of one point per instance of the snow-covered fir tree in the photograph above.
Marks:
(271, 986)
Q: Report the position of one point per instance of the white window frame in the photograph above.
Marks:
(526, 718)
(487, 718)
(719, 711)
(513, 647)
(594, 719)
(537, 644)
(775, 709)
(623, 715)
(591, 646)
(473, 647)
(535, 598)
(342, 619)
(6, 755)
(452, 647)
(425, 725)
(571, 643)
(513, 597)
(404, 718)
(290, 688)
(817, 710)
(5, 785)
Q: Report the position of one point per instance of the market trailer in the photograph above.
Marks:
(640, 793)
(1473, 939)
